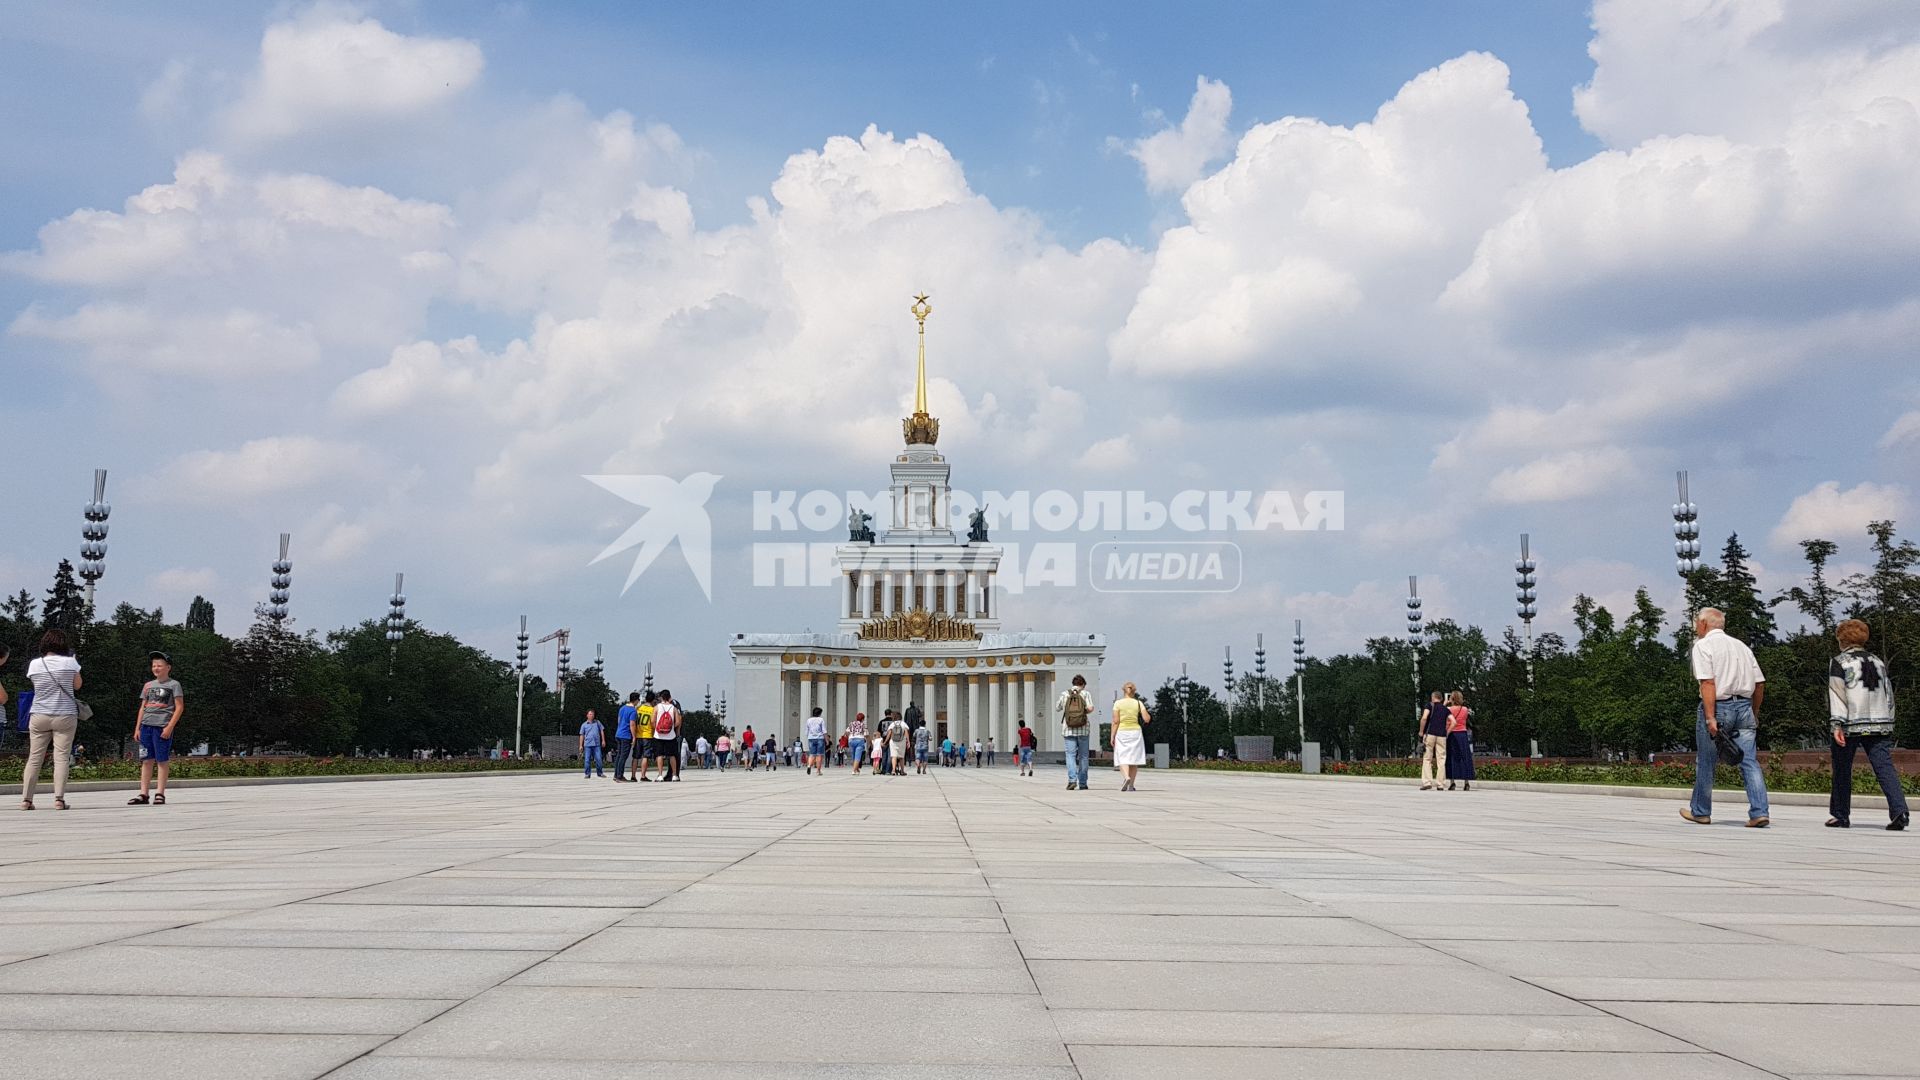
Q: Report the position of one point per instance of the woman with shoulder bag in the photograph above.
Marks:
(53, 718)
(1129, 739)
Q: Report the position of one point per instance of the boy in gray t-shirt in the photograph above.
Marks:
(160, 709)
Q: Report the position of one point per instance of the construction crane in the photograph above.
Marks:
(562, 665)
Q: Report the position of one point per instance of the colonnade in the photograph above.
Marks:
(973, 704)
(873, 594)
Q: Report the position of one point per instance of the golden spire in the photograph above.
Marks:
(921, 428)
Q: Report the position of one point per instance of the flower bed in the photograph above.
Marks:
(1780, 776)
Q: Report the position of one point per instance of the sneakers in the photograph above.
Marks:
(1836, 823)
(1705, 819)
(1898, 824)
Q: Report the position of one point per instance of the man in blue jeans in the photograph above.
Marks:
(1076, 729)
(592, 735)
(1731, 687)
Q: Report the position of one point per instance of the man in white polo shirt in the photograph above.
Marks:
(1731, 687)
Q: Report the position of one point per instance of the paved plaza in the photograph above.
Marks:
(966, 924)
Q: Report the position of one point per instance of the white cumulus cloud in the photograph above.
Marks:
(1175, 157)
(331, 65)
(1830, 513)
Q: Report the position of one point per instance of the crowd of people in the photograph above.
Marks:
(648, 743)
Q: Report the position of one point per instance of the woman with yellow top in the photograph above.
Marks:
(1129, 740)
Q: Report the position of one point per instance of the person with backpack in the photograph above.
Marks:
(1024, 742)
(1130, 718)
(748, 752)
(1076, 708)
(1860, 712)
(666, 736)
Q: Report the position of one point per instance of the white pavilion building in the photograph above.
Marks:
(919, 622)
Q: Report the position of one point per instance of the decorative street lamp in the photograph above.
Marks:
(93, 536)
(1229, 686)
(709, 697)
(1185, 687)
(1260, 676)
(1416, 635)
(1300, 699)
(599, 665)
(397, 612)
(282, 580)
(1524, 581)
(1686, 531)
(520, 677)
(723, 710)
(646, 682)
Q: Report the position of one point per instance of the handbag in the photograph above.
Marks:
(1729, 750)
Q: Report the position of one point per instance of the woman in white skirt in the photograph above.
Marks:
(1129, 740)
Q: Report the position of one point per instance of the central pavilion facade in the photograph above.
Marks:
(919, 622)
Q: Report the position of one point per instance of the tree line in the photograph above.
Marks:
(1621, 687)
(274, 690)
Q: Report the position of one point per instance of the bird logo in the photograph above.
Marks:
(675, 510)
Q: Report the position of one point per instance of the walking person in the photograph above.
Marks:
(978, 753)
(1433, 744)
(1076, 709)
(1130, 718)
(666, 736)
(1025, 742)
(749, 754)
(1860, 712)
(623, 737)
(922, 746)
(703, 750)
(53, 716)
(817, 742)
(161, 705)
(899, 737)
(722, 749)
(857, 741)
(1459, 742)
(592, 734)
(990, 748)
(915, 720)
(1731, 687)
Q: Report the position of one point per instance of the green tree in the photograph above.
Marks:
(1749, 618)
(66, 605)
(200, 614)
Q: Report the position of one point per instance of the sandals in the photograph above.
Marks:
(26, 804)
(137, 800)
(59, 803)
(159, 798)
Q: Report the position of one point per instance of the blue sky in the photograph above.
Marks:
(395, 276)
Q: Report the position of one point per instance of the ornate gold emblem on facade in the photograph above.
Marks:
(918, 625)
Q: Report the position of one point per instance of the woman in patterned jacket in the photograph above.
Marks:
(1860, 709)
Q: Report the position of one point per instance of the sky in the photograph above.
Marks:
(397, 278)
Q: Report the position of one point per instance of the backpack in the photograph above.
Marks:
(664, 722)
(1076, 709)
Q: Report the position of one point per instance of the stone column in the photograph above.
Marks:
(1031, 679)
(864, 684)
(973, 700)
(995, 682)
(842, 708)
(806, 704)
(953, 701)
